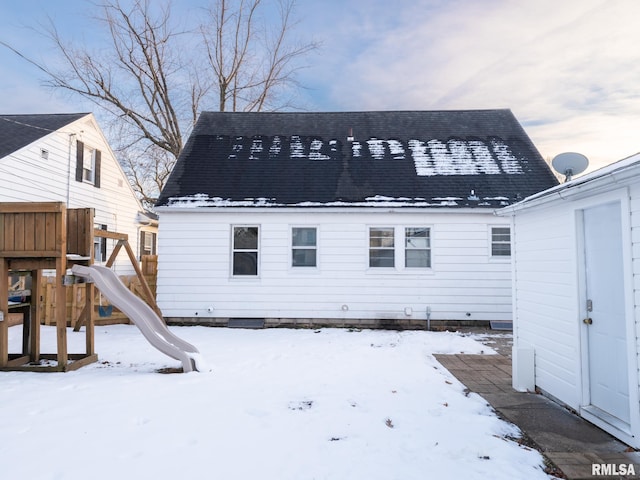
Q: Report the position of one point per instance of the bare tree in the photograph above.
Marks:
(138, 78)
(151, 80)
(251, 64)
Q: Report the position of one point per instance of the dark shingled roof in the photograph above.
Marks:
(17, 131)
(469, 158)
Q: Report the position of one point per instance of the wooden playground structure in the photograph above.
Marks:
(47, 236)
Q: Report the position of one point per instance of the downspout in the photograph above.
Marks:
(71, 135)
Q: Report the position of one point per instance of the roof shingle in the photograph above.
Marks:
(466, 158)
(18, 131)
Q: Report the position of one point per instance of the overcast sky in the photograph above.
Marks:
(568, 69)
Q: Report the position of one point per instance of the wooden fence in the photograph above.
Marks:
(104, 313)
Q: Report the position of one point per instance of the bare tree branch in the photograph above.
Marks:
(153, 87)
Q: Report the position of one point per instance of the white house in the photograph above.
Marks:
(352, 218)
(66, 158)
(576, 264)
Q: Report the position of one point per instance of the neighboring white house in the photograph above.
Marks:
(66, 158)
(576, 263)
(352, 218)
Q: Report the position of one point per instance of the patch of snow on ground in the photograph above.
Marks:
(278, 404)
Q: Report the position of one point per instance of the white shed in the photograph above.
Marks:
(576, 269)
(344, 218)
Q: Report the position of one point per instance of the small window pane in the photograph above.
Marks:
(304, 237)
(245, 263)
(245, 238)
(417, 259)
(381, 258)
(304, 257)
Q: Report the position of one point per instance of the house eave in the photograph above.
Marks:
(590, 184)
(329, 209)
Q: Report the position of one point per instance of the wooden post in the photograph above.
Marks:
(61, 291)
(89, 322)
(143, 281)
(4, 310)
(36, 313)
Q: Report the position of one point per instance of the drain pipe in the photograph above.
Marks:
(428, 318)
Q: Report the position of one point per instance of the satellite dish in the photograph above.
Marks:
(570, 164)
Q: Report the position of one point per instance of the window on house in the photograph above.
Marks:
(500, 242)
(303, 247)
(87, 164)
(100, 246)
(245, 251)
(381, 247)
(147, 243)
(417, 247)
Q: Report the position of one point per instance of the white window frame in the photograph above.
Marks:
(304, 247)
(381, 248)
(399, 249)
(427, 249)
(89, 165)
(492, 242)
(235, 250)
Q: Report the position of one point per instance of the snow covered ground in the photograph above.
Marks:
(277, 404)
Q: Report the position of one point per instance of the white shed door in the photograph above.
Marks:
(607, 344)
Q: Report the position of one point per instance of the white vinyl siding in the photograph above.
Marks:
(462, 284)
(26, 177)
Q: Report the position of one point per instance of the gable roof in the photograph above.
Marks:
(467, 158)
(17, 131)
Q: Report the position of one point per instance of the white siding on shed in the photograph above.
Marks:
(464, 283)
(545, 294)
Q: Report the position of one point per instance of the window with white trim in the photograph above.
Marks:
(147, 243)
(304, 247)
(100, 245)
(417, 247)
(88, 164)
(245, 250)
(500, 242)
(381, 247)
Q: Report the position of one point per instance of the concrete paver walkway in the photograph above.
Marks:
(571, 443)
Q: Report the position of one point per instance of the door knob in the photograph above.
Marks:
(588, 321)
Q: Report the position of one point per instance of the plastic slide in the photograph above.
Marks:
(142, 315)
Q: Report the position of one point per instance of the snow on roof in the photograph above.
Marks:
(475, 158)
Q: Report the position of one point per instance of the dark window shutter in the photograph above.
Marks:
(96, 174)
(79, 157)
(141, 244)
(153, 243)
